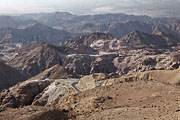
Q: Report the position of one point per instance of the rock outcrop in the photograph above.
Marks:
(57, 90)
(22, 94)
(92, 81)
(39, 92)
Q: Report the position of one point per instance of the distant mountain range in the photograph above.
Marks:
(60, 26)
(35, 32)
(65, 18)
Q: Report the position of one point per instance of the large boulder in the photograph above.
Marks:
(58, 89)
(22, 94)
(92, 81)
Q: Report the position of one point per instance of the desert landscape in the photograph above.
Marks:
(112, 66)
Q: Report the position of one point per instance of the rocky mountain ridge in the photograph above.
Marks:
(35, 32)
(89, 54)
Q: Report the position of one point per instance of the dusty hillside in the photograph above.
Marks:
(137, 100)
(55, 72)
(144, 95)
(34, 113)
(165, 76)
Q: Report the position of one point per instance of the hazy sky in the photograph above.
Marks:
(150, 7)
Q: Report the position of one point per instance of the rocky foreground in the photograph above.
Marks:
(145, 95)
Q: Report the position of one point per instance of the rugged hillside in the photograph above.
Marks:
(115, 24)
(125, 101)
(65, 19)
(160, 40)
(35, 32)
(145, 61)
(117, 29)
(82, 44)
(7, 51)
(121, 28)
(102, 42)
(36, 57)
(97, 52)
(145, 95)
(7, 21)
(86, 40)
(41, 92)
(9, 76)
(170, 25)
(50, 19)
(14, 21)
(35, 113)
(55, 72)
(136, 51)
